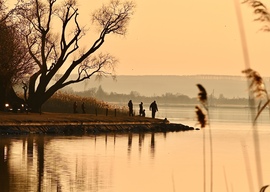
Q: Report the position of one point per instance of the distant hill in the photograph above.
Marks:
(157, 85)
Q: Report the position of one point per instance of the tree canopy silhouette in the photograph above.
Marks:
(55, 50)
(15, 61)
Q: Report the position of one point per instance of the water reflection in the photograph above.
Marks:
(141, 139)
(129, 162)
(30, 148)
(4, 176)
(153, 144)
(44, 163)
(129, 142)
(40, 160)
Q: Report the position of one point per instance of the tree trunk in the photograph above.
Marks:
(34, 102)
(38, 97)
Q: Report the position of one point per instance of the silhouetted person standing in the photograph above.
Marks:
(130, 107)
(153, 107)
(75, 107)
(83, 108)
(141, 109)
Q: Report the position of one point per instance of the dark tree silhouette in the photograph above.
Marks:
(54, 50)
(15, 61)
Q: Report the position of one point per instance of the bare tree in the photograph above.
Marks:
(54, 50)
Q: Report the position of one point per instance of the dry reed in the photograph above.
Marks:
(255, 86)
(202, 96)
(263, 188)
(258, 90)
(201, 117)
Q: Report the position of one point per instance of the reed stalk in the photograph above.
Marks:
(247, 163)
(251, 98)
(225, 177)
(202, 96)
(202, 121)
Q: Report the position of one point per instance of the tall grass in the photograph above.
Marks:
(255, 81)
(204, 119)
(257, 91)
(258, 97)
(63, 102)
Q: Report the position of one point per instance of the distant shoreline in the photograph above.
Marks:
(230, 86)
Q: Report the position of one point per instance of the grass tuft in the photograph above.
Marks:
(256, 86)
(201, 117)
(202, 95)
(257, 90)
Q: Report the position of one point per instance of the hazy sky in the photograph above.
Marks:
(176, 37)
(185, 37)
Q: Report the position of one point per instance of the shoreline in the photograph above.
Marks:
(78, 124)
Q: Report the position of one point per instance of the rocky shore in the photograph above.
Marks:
(75, 124)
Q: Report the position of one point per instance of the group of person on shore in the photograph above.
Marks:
(75, 107)
(153, 107)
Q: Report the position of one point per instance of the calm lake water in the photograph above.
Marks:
(142, 162)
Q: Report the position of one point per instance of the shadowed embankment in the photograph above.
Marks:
(61, 123)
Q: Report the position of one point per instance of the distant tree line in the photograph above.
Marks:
(165, 98)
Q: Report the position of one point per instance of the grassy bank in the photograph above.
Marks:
(69, 117)
(79, 124)
(59, 108)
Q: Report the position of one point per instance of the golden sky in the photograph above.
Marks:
(176, 37)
